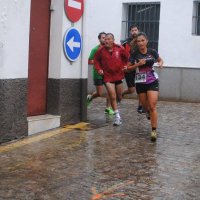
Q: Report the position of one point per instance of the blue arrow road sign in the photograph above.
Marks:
(72, 44)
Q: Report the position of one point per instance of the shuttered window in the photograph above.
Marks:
(196, 18)
(147, 17)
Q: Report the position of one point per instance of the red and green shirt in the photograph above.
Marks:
(111, 63)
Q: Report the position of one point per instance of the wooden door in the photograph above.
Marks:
(38, 56)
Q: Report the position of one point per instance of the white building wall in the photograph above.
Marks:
(103, 16)
(14, 38)
(177, 45)
(59, 65)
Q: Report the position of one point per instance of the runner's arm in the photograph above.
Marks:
(160, 62)
(91, 56)
(91, 62)
(97, 63)
(132, 66)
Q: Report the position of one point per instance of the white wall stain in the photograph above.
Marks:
(3, 19)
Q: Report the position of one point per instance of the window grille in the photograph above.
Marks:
(147, 17)
(196, 18)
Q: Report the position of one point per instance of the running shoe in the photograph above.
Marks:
(148, 115)
(109, 111)
(89, 99)
(140, 109)
(153, 135)
(117, 121)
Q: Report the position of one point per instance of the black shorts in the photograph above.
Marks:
(143, 88)
(98, 82)
(130, 79)
(117, 82)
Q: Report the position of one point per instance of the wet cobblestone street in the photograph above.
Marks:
(108, 163)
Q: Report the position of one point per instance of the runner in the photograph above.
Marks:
(98, 79)
(109, 61)
(130, 45)
(147, 84)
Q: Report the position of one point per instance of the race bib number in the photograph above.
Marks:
(140, 77)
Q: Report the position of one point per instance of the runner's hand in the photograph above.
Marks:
(141, 62)
(160, 64)
(125, 69)
(100, 72)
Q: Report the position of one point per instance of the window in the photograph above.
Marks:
(196, 18)
(147, 17)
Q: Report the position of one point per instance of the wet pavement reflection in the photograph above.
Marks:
(106, 162)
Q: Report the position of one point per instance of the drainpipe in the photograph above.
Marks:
(84, 69)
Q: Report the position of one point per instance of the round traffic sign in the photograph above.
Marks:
(74, 9)
(72, 44)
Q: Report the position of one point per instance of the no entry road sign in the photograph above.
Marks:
(72, 44)
(74, 9)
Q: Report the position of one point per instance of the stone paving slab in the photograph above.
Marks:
(112, 163)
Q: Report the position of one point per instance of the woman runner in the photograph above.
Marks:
(146, 79)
